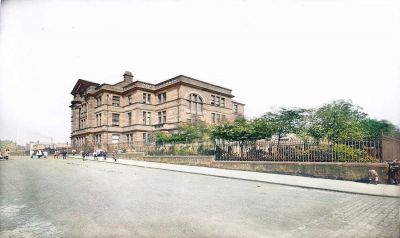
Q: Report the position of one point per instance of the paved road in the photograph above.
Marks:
(72, 198)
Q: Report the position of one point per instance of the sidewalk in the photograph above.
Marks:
(289, 180)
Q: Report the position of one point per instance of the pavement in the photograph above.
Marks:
(75, 198)
(384, 190)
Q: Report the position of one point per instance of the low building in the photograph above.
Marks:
(129, 111)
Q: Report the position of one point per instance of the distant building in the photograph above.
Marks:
(129, 111)
(36, 145)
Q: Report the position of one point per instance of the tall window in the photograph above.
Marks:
(195, 104)
(97, 139)
(235, 108)
(98, 100)
(130, 100)
(115, 101)
(129, 138)
(146, 118)
(162, 117)
(129, 118)
(98, 119)
(146, 138)
(146, 98)
(212, 100)
(162, 97)
(115, 119)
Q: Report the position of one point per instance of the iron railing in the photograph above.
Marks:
(369, 150)
(199, 148)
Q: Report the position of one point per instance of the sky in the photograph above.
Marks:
(286, 53)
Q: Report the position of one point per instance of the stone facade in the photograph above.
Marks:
(129, 111)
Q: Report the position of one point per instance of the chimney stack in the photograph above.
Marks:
(128, 76)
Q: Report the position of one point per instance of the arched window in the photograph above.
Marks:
(195, 104)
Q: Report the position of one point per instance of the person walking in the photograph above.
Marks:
(39, 154)
(64, 153)
(83, 155)
(114, 156)
(104, 155)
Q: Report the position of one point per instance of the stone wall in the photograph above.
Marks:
(343, 171)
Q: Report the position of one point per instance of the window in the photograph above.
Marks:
(82, 123)
(98, 100)
(129, 138)
(235, 108)
(98, 119)
(115, 119)
(146, 98)
(114, 138)
(129, 118)
(195, 104)
(146, 118)
(162, 97)
(130, 100)
(146, 138)
(217, 101)
(162, 117)
(97, 139)
(217, 118)
(115, 101)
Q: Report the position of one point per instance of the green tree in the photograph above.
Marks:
(375, 128)
(338, 120)
(284, 121)
(185, 133)
(239, 130)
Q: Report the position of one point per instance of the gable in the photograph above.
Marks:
(81, 86)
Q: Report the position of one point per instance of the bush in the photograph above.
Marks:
(336, 153)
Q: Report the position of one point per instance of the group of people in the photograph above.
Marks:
(6, 154)
(38, 153)
(97, 154)
(57, 154)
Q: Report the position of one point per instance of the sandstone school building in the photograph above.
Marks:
(130, 111)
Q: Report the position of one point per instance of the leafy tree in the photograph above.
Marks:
(339, 120)
(375, 128)
(284, 121)
(185, 133)
(239, 130)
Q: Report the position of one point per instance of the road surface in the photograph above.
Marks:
(74, 198)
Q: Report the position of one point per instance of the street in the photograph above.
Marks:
(75, 198)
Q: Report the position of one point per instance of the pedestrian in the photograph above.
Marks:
(64, 153)
(7, 154)
(373, 176)
(32, 153)
(114, 156)
(83, 155)
(95, 155)
(39, 154)
(104, 155)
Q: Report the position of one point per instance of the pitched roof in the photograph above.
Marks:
(82, 85)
